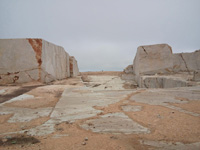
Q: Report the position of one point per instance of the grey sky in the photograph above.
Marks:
(104, 34)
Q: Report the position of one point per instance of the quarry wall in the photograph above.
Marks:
(27, 60)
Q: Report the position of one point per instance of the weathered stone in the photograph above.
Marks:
(25, 60)
(74, 71)
(161, 82)
(153, 59)
(129, 69)
(114, 123)
(196, 75)
(187, 62)
(128, 76)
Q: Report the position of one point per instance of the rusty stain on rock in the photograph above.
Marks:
(15, 78)
(37, 47)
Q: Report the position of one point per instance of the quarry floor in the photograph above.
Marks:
(98, 111)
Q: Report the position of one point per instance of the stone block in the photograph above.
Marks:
(74, 71)
(161, 82)
(26, 60)
(197, 75)
(152, 59)
(186, 62)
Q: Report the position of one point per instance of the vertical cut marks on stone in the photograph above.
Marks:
(185, 63)
(37, 47)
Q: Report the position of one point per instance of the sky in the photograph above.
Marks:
(104, 34)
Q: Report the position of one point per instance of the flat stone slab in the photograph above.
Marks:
(163, 97)
(25, 114)
(78, 103)
(162, 145)
(128, 108)
(114, 123)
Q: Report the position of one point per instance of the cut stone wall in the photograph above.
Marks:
(26, 60)
(74, 71)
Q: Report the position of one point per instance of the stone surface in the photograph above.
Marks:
(129, 69)
(74, 71)
(164, 145)
(161, 82)
(164, 97)
(26, 60)
(106, 83)
(152, 59)
(196, 75)
(25, 114)
(129, 108)
(128, 76)
(155, 66)
(114, 123)
(187, 62)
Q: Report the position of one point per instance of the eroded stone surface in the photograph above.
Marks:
(197, 75)
(19, 98)
(162, 145)
(74, 71)
(27, 60)
(25, 114)
(164, 97)
(153, 59)
(114, 123)
(129, 108)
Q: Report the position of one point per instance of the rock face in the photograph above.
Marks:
(188, 62)
(26, 60)
(196, 75)
(74, 71)
(153, 59)
(129, 69)
(155, 66)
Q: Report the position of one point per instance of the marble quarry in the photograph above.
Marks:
(27, 60)
(155, 66)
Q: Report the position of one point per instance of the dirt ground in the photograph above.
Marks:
(165, 124)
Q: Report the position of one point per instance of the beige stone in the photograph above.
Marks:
(152, 59)
(26, 60)
(196, 75)
(74, 71)
(129, 69)
(187, 62)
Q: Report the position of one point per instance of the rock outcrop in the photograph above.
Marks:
(155, 66)
(26, 60)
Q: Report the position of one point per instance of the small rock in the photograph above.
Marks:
(83, 143)
(86, 138)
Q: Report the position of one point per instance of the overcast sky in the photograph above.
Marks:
(104, 34)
